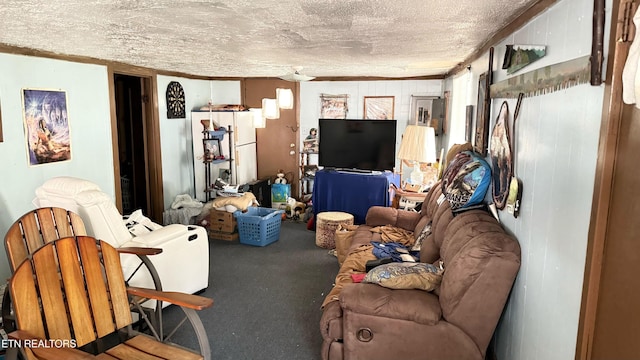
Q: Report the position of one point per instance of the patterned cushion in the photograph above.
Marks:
(406, 275)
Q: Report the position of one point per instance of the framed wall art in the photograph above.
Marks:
(518, 56)
(468, 123)
(46, 125)
(482, 115)
(501, 159)
(428, 111)
(379, 107)
(334, 106)
(421, 110)
(212, 149)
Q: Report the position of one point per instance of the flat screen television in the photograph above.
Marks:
(357, 144)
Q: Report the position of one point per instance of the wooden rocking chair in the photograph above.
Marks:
(71, 292)
(41, 226)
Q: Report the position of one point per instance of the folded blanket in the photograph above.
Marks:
(389, 234)
(239, 202)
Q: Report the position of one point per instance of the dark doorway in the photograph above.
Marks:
(130, 112)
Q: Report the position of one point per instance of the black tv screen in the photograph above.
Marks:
(357, 144)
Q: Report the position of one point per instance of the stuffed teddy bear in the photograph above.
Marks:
(280, 179)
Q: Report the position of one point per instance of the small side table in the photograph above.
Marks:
(407, 200)
(326, 225)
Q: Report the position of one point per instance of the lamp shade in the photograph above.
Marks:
(285, 98)
(258, 120)
(418, 144)
(270, 109)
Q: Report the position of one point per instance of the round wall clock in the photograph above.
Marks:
(175, 101)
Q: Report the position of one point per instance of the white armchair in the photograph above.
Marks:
(182, 266)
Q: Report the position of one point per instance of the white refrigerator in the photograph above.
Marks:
(243, 164)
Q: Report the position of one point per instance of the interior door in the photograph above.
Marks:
(610, 313)
(617, 322)
(137, 100)
(278, 144)
(131, 144)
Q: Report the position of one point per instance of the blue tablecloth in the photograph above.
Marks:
(353, 193)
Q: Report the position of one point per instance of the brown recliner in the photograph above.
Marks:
(457, 320)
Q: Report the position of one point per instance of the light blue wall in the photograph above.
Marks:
(557, 152)
(88, 107)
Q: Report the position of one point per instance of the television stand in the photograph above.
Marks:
(352, 192)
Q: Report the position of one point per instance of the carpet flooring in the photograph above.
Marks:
(266, 299)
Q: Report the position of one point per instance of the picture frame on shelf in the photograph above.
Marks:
(379, 107)
(309, 171)
(224, 174)
(212, 149)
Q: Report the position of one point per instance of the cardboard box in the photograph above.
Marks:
(219, 235)
(222, 221)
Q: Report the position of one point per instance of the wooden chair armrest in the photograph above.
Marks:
(139, 250)
(47, 350)
(195, 302)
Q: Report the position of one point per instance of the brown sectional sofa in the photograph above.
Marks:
(456, 321)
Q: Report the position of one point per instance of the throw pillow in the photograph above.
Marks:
(405, 276)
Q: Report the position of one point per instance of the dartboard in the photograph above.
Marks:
(175, 101)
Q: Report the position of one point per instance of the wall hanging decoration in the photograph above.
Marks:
(515, 185)
(484, 108)
(175, 101)
(333, 106)
(545, 80)
(518, 56)
(378, 107)
(428, 111)
(482, 116)
(501, 160)
(468, 124)
(421, 110)
(46, 125)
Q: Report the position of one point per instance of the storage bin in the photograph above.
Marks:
(259, 226)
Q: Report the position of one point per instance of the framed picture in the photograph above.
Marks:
(310, 170)
(482, 115)
(421, 110)
(468, 124)
(46, 125)
(225, 175)
(378, 107)
(334, 106)
(211, 149)
(518, 56)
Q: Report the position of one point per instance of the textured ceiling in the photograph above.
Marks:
(392, 38)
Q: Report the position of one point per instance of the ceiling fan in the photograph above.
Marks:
(296, 76)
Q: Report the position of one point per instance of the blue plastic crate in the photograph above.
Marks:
(259, 226)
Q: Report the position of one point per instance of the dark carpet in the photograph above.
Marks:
(266, 299)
